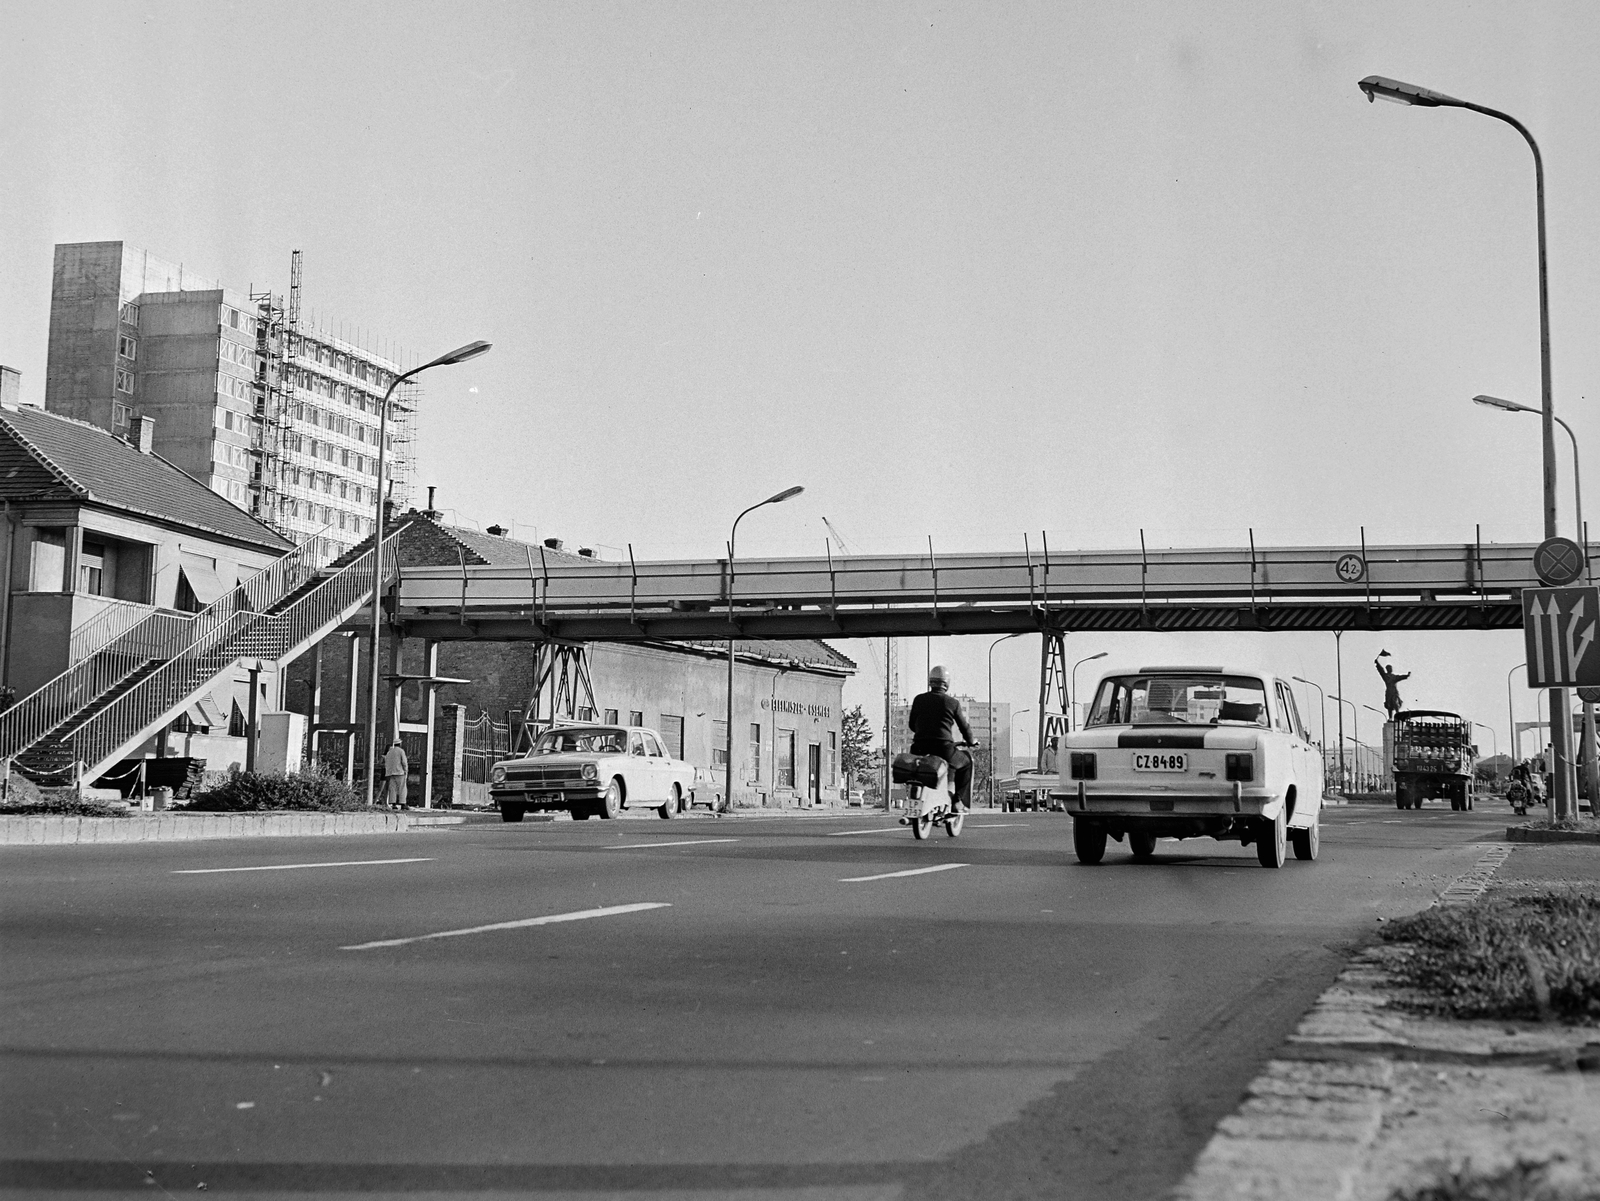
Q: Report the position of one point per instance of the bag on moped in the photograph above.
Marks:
(927, 770)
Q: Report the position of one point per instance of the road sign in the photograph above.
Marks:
(1350, 568)
(1559, 626)
(1589, 696)
(1558, 562)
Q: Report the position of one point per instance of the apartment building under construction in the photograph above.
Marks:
(280, 418)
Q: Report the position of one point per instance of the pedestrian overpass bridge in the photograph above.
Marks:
(1447, 586)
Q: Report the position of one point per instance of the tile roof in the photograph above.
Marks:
(807, 652)
(92, 465)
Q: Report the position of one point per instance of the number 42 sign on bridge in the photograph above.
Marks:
(1559, 625)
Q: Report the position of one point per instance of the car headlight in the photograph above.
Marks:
(497, 774)
(591, 772)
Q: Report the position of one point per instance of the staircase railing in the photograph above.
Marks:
(242, 634)
(160, 635)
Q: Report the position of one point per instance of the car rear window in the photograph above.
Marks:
(1179, 700)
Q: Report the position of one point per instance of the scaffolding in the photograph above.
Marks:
(277, 324)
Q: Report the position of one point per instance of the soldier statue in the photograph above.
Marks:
(1391, 684)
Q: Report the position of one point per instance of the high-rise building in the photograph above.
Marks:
(280, 419)
(981, 716)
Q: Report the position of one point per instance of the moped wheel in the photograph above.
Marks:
(921, 827)
(953, 824)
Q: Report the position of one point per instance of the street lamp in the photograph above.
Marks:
(1355, 718)
(1376, 87)
(1511, 406)
(992, 645)
(460, 355)
(1014, 717)
(727, 788)
(1075, 666)
(1322, 703)
(1494, 742)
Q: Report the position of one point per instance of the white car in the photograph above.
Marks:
(598, 770)
(1186, 752)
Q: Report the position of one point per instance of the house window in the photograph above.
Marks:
(126, 346)
(830, 763)
(785, 768)
(49, 554)
(124, 380)
(719, 744)
(585, 713)
(755, 751)
(635, 717)
(611, 717)
(672, 734)
(119, 414)
(91, 568)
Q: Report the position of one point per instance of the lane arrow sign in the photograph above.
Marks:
(1552, 615)
(1534, 614)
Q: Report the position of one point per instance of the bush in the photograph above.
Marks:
(62, 804)
(251, 791)
(1529, 958)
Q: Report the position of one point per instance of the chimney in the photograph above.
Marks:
(499, 531)
(586, 552)
(430, 512)
(10, 387)
(142, 433)
(553, 543)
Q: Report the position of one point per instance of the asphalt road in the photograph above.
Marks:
(782, 1023)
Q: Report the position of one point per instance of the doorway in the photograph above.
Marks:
(814, 774)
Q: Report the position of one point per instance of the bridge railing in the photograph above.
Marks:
(1263, 573)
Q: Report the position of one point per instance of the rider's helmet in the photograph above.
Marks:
(938, 677)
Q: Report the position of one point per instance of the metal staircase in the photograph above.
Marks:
(93, 714)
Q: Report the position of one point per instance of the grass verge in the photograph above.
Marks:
(1528, 958)
(1522, 1181)
(63, 806)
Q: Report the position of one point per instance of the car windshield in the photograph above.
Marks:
(595, 742)
(1179, 700)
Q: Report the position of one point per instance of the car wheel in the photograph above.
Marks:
(1306, 842)
(1088, 842)
(921, 827)
(511, 813)
(610, 804)
(673, 805)
(580, 813)
(1272, 842)
(1142, 845)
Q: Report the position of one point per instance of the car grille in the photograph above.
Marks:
(546, 777)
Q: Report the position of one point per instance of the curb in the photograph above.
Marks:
(1524, 834)
(1309, 1126)
(175, 827)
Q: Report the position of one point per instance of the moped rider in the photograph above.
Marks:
(935, 718)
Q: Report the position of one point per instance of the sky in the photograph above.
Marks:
(962, 270)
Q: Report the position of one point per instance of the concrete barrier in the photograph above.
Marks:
(183, 827)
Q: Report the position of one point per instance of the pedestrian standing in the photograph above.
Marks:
(395, 769)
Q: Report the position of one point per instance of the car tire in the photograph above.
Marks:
(511, 812)
(580, 813)
(1142, 845)
(611, 803)
(1306, 842)
(673, 806)
(1088, 842)
(1272, 842)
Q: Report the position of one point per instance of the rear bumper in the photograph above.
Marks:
(1238, 802)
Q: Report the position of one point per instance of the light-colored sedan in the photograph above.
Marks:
(1188, 752)
(587, 769)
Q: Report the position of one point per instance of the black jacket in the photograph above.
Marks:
(936, 716)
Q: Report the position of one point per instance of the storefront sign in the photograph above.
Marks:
(797, 708)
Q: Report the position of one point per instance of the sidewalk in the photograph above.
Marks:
(1367, 1099)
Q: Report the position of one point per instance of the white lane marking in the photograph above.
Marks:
(291, 867)
(548, 920)
(996, 826)
(916, 871)
(692, 842)
(880, 830)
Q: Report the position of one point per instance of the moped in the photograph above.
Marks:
(930, 794)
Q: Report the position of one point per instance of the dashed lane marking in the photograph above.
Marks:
(996, 825)
(293, 867)
(548, 920)
(691, 842)
(880, 830)
(916, 871)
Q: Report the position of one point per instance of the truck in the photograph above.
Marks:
(1433, 759)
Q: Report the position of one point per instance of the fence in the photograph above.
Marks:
(484, 742)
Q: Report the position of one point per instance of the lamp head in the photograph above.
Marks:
(784, 495)
(1378, 88)
(459, 355)
(1495, 402)
(1101, 655)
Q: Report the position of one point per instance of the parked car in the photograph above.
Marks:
(1186, 752)
(592, 770)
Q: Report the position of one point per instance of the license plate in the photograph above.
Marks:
(551, 798)
(1161, 763)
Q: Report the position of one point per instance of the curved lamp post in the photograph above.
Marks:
(1355, 717)
(1075, 666)
(1494, 741)
(460, 355)
(1377, 87)
(733, 535)
(1511, 406)
(990, 702)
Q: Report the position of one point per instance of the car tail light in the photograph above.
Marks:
(1083, 766)
(1241, 767)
